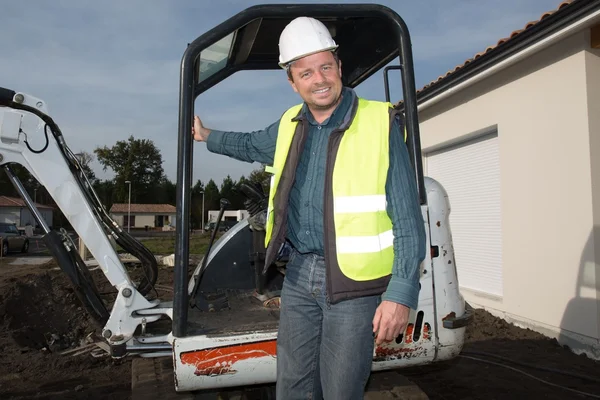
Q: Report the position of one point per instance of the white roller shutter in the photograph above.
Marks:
(470, 173)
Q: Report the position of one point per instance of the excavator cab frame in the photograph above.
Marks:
(369, 37)
(219, 335)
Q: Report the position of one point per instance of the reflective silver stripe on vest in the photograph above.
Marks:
(360, 204)
(365, 244)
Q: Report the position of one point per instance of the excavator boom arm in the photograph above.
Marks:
(29, 137)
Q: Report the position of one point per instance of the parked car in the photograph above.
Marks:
(12, 239)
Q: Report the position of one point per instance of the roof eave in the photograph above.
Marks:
(39, 206)
(567, 16)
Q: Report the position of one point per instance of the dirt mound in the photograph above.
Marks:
(40, 312)
(502, 361)
(40, 319)
(485, 326)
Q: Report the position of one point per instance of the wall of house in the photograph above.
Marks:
(230, 214)
(540, 110)
(141, 220)
(27, 217)
(118, 218)
(590, 279)
(9, 214)
(172, 219)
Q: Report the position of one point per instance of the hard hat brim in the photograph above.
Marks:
(284, 64)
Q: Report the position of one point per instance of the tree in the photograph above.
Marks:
(104, 190)
(197, 193)
(138, 161)
(37, 192)
(261, 177)
(237, 202)
(198, 188)
(166, 193)
(211, 198)
(85, 159)
(227, 189)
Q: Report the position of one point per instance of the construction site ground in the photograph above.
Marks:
(47, 350)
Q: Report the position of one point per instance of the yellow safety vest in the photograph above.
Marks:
(363, 229)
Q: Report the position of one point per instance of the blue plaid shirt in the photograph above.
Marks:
(305, 212)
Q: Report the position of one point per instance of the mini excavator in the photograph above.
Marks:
(218, 336)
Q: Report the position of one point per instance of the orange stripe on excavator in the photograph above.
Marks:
(220, 360)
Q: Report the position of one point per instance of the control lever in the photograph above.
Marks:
(256, 201)
(224, 203)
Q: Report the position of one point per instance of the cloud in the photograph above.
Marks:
(471, 26)
(110, 69)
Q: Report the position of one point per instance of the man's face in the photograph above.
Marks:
(318, 80)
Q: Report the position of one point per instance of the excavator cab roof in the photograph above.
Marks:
(369, 36)
(250, 41)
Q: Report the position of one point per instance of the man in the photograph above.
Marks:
(344, 197)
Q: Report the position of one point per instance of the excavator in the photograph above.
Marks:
(219, 330)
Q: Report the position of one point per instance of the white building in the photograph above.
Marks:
(144, 215)
(514, 137)
(14, 210)
(228, 215)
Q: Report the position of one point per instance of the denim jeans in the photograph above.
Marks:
(323, 350)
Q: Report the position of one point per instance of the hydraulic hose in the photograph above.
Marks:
(84, 287)
(124, 239)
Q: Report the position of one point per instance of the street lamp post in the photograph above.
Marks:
(202, 210)
(129, 207)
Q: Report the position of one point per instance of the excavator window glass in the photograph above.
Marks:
(214, 57)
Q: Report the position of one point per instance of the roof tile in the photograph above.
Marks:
(512, 35)
(6, 201)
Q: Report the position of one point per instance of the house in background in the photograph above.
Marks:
(14, 210)
(228, 215)
(229, 218)
(144, 215)
(513, 135)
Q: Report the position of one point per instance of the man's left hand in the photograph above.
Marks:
(389, 321)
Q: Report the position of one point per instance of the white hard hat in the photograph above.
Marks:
(302, 37)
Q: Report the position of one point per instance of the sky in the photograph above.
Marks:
(110, 69)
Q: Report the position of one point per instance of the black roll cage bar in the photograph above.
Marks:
(191, 87)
